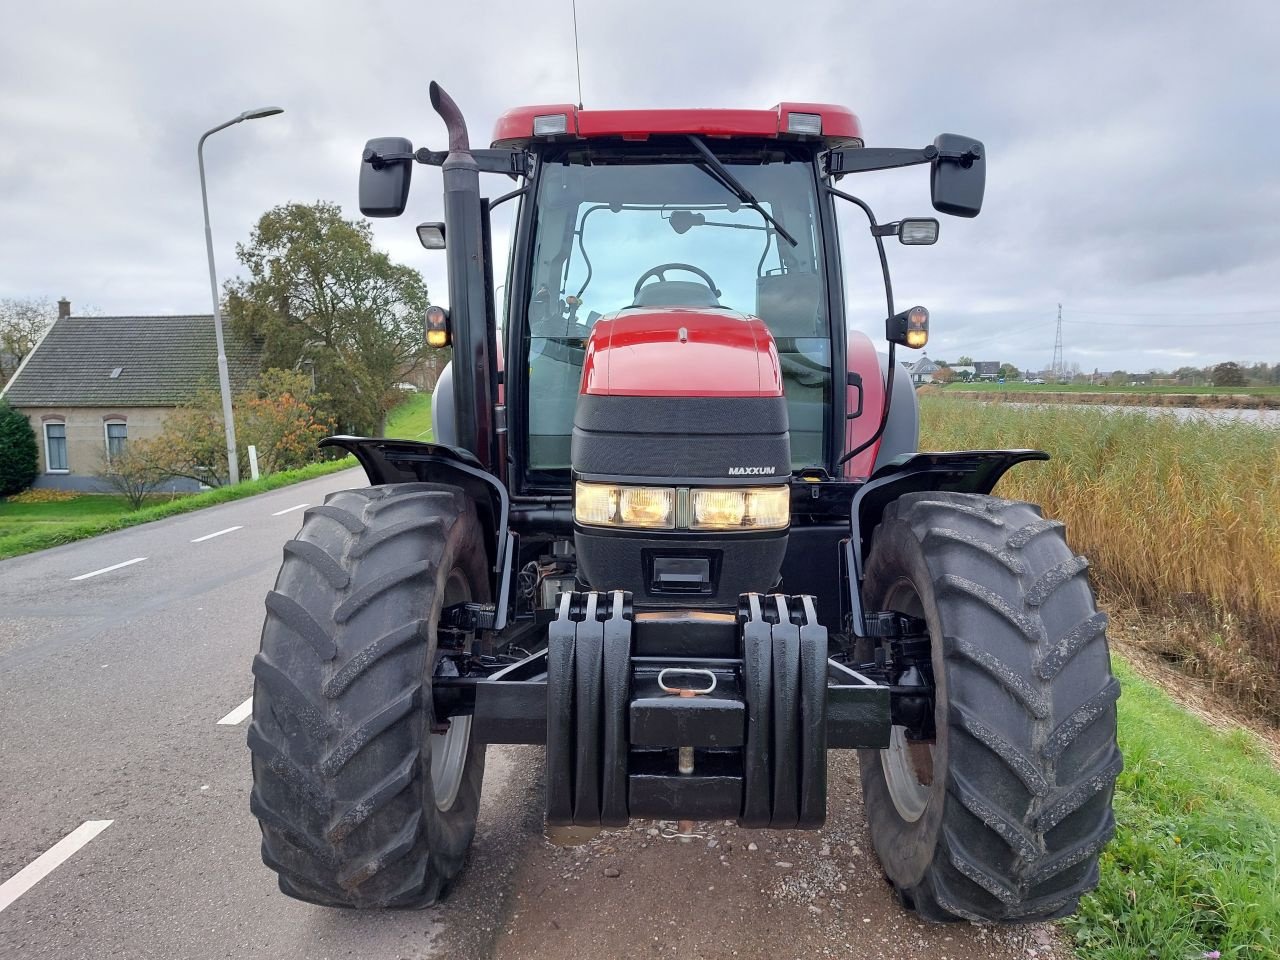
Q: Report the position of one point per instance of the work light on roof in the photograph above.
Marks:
(807, 124)
(550, 125)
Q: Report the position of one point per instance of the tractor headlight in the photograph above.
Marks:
(757, 508)
(607, 505)
(669, 508)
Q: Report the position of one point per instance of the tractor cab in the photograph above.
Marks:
(625, 214)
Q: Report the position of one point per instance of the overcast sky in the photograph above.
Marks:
(1132, 169)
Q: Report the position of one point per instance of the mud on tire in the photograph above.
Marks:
(1011, 816)
(342, 711)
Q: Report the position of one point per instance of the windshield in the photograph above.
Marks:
(614, 236)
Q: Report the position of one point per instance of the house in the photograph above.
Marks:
(987, 369)
(92, 384)
(922, 370)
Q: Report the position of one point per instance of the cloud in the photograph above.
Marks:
(1131, 148)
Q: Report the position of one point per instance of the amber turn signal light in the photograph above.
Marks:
(437, 326)
(910, 328)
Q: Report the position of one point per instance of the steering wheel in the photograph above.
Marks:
(660, 271)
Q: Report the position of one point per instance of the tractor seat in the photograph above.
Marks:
(676, 293)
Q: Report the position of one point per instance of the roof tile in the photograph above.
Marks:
(163, 361)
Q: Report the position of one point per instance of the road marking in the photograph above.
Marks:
(210, 536)
(47, 862)
(239, 714)
(290, 509)
(114, 566)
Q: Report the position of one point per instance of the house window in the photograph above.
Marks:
(55, 447)
(117, 436)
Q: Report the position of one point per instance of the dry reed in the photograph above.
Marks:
(1177, 517)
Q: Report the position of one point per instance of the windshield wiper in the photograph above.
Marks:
(719, 172)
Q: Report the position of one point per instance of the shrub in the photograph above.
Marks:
(277, 413)
(134, 472)
(19, 457)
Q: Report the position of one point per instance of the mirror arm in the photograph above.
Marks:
(867, 159)
(515, 163)
(380, 160)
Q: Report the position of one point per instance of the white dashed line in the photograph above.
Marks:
(47, 862)
(210, 536)
(239, 714)
(114, 566)
(279, 513)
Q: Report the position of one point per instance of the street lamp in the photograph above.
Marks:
(224, 381)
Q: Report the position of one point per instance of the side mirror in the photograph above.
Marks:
(959, 175)
(385, 170)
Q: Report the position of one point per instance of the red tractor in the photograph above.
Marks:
(674, 525)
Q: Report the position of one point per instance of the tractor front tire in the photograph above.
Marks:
(1001, 816)
(363, 800)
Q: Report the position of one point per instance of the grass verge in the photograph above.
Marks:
(1195, 865)
(96, 518)
(411, 420)
(1181, 518)
(25, 528)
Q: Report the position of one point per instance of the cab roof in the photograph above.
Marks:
(559, 122)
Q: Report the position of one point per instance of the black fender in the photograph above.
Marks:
(959, 471)
(406, 461)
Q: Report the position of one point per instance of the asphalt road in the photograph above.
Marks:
(114, 676)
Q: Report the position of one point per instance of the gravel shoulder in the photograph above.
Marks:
(640, 892)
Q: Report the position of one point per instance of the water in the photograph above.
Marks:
(1265, 418)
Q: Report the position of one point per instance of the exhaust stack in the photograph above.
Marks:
(468, 264)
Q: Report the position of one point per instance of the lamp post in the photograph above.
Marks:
(224, 381)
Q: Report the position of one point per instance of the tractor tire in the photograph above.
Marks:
(1001, 817)
(360, 803)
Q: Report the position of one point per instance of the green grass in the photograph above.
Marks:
(1195, 865)
(412, 419)
(25, 528)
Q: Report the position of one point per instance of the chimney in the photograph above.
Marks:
(64, 308)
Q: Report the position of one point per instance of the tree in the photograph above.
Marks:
(277, 413)
(22, 324)
(1228, 374)
(135, 472)
(320, 296)
(965, 362)
(281, 417)
(19, 456)
(1119, 378)
(1009, 372)
(943, 375)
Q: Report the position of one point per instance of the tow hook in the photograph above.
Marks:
(685, 761)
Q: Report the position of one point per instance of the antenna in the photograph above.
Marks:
(1056, 366)
(577, 61)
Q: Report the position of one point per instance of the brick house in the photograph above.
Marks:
(92, 384)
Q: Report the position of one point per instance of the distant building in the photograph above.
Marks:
(963, 371)
(93, 384)
(987, 369)
(922, 371)
(1139, 379)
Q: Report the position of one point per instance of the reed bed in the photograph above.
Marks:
(1180, 518)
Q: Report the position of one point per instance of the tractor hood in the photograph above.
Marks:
(681, 352)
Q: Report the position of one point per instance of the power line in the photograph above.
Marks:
(1056, 366)
(1176, 326)
(1169, 313)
